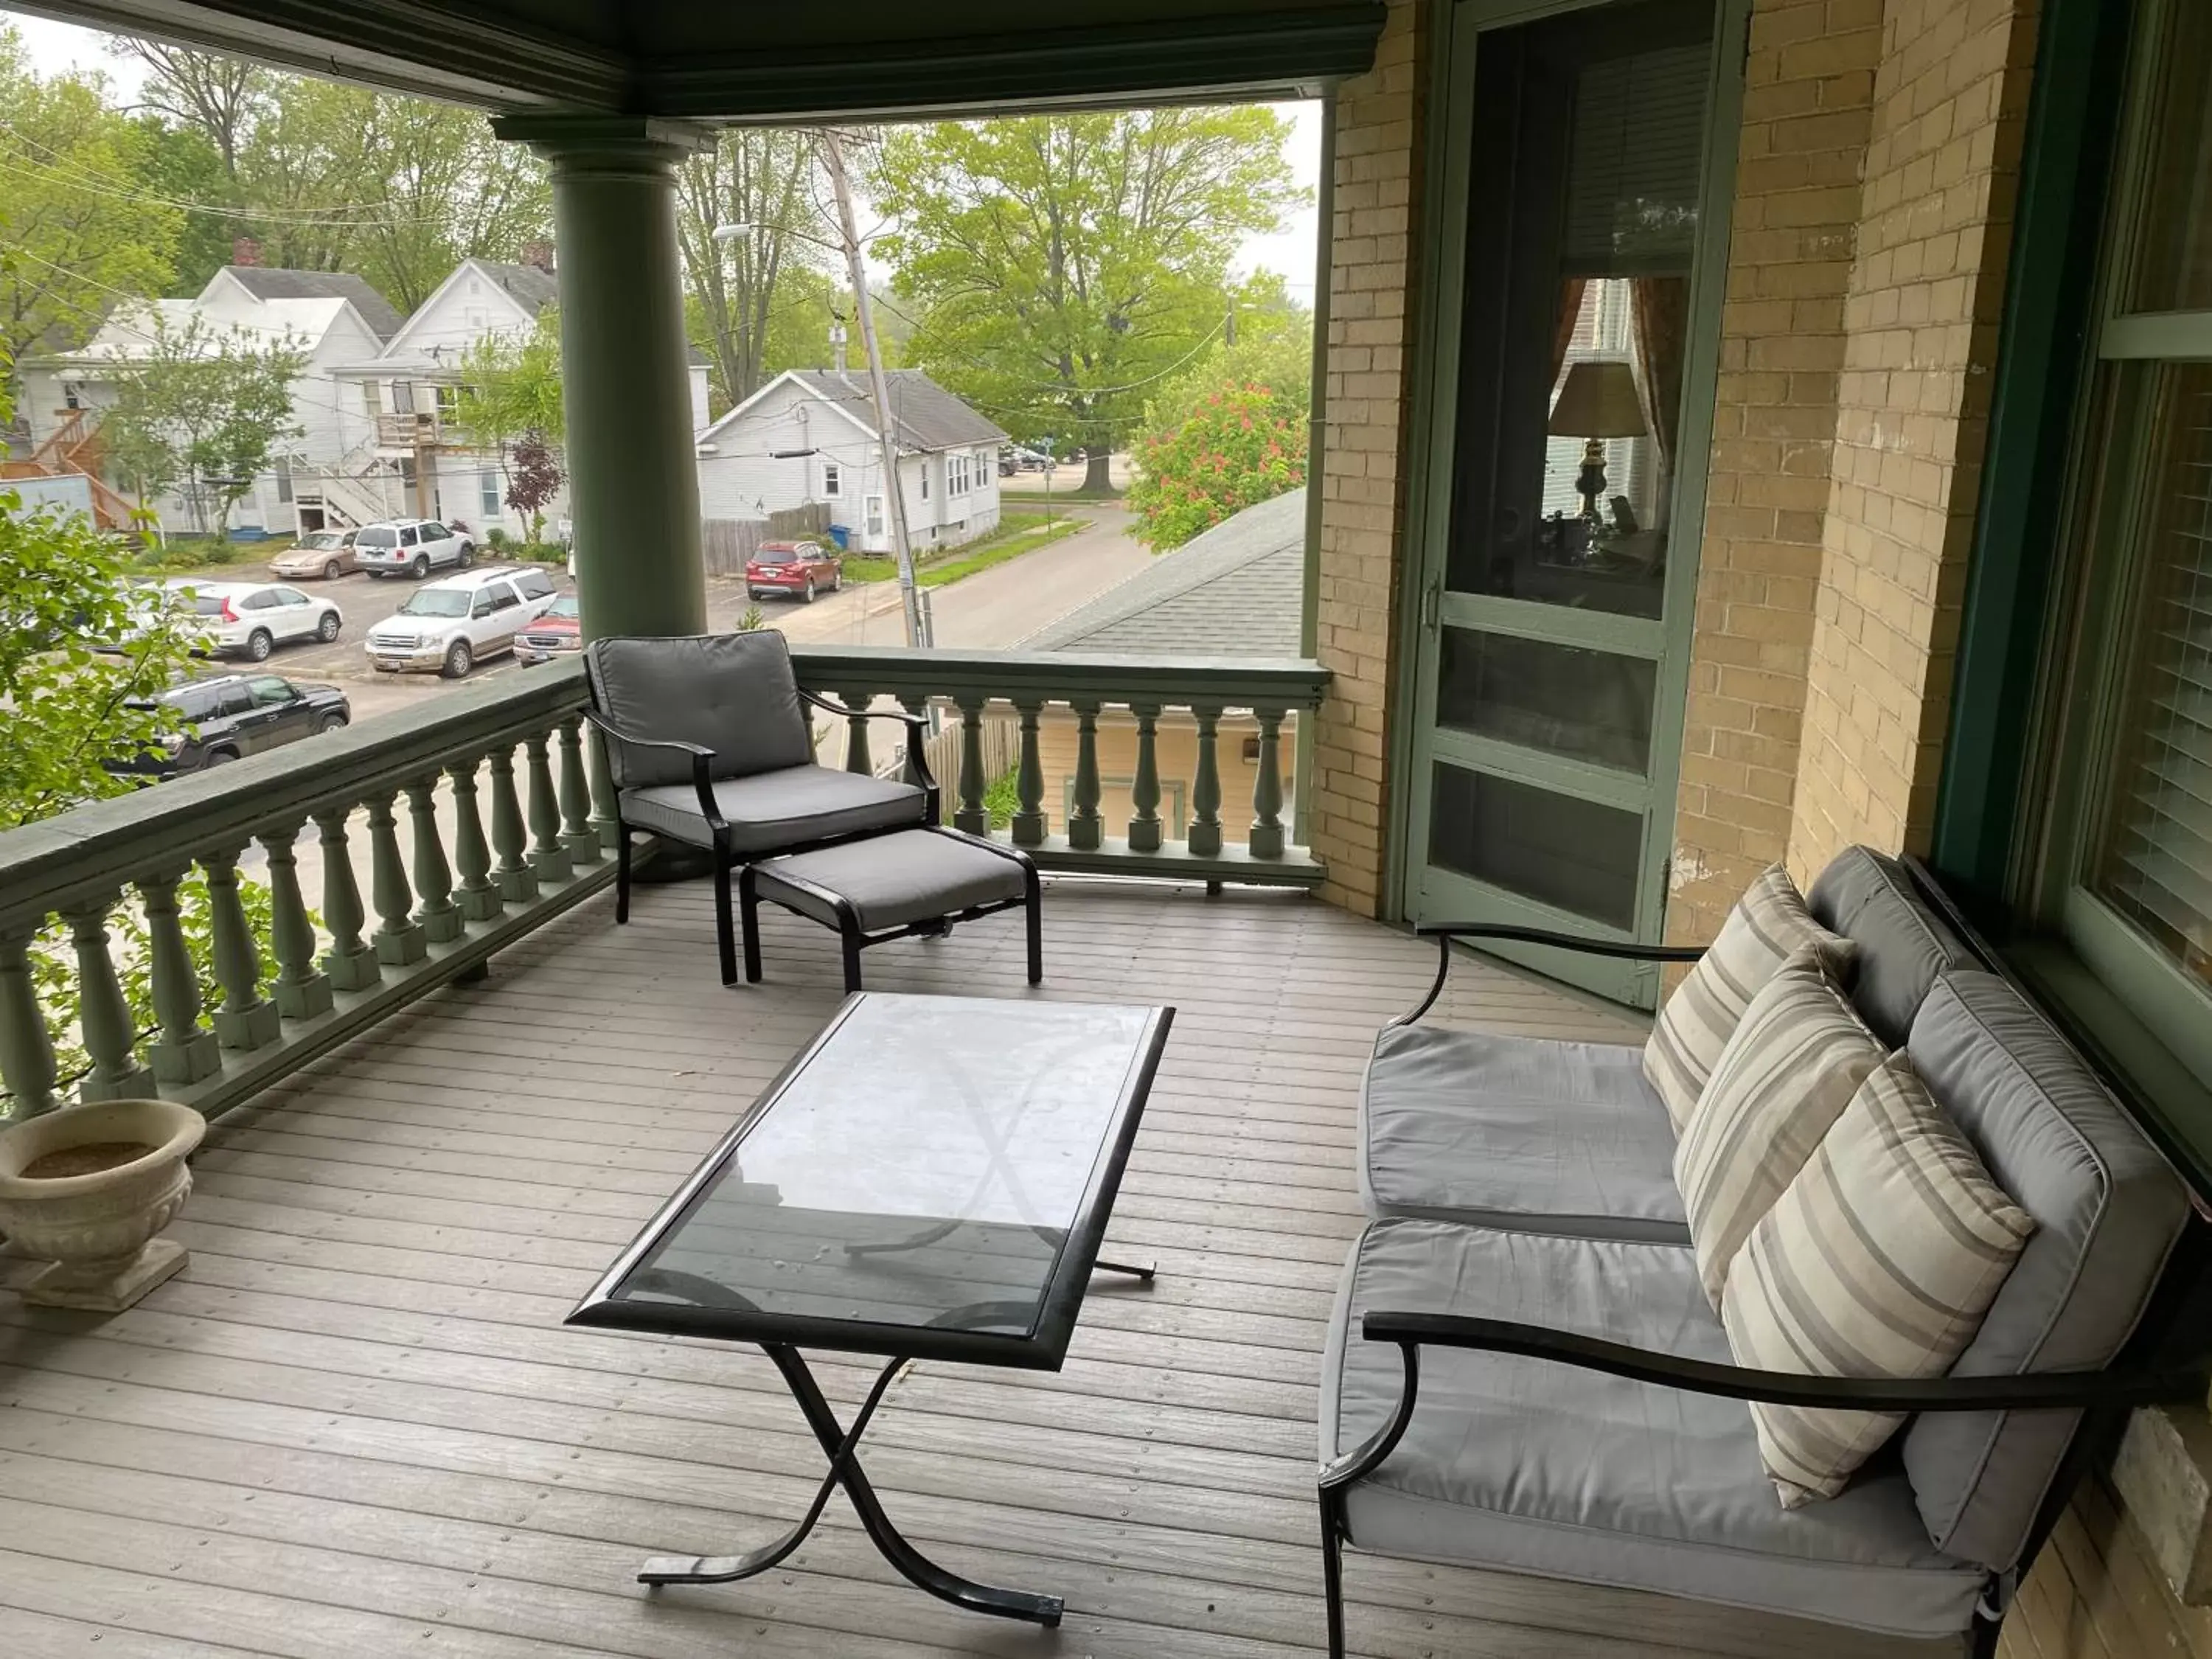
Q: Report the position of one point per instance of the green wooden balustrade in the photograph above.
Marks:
(487, 812)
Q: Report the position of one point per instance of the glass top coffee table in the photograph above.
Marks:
(929, 1179)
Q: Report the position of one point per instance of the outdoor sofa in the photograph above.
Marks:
(1524, 1372)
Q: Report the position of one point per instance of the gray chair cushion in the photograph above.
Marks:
(1517, 1132)
(772, 810)
(1904, 946)
(735, 693)
(1533, 1467)
(2108, 1210)
(891, 880)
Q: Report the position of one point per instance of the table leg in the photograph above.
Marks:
(845, 1470)
(1143, 1270)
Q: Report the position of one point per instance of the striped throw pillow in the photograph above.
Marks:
(1769, 925)
(1785, 1078)
(1880, 1261)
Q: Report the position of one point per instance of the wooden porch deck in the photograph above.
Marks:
(354, 1427)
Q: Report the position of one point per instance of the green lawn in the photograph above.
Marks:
(1017, 533)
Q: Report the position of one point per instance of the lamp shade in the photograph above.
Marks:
(1598, 401)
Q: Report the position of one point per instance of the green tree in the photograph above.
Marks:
(76, 227)
(1281, 360)
(509, 394)
(203, 91)
(760, 184)
(179, 165)
(1058, 266)
(1240, 446)
(201, 412)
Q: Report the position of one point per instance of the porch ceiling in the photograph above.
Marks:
(760, 62)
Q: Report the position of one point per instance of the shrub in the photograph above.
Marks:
(1238, 446)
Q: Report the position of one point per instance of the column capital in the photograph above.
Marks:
(577, 142)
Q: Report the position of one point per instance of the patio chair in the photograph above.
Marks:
(709, 743)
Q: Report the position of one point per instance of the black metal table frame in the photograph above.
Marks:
(717, 1311)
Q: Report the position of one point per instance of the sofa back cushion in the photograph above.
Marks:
(2108, 1209)
(1769, 925)
(735, 693)
(1904, 947)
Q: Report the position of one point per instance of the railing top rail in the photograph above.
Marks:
(1059, 675)
(62, 860)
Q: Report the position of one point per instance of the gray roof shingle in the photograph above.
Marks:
(273, 282)
(928, 416)
(1235, 590)
(534, 287)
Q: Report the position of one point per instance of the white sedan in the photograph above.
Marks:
(252, 619)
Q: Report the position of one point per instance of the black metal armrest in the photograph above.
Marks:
(917, 739)
(701, 757)
(2043, 1391)
(1445, 933)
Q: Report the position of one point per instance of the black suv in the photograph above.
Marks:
(228, 716)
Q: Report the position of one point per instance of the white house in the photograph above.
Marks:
(330, 317)
(415, 461)
(809, 435)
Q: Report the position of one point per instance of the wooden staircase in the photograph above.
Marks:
(73, 450)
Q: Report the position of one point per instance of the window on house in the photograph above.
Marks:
(403, 397)
(833, 479)
(488, 494)
(925, 478)
(369, 402)
(283, 470)
(449, 399)
(875, 517)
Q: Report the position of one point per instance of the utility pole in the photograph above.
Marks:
(833, 163)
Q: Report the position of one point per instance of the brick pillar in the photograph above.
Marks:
(1808, 111)
(1926, 293)
(1377, 140)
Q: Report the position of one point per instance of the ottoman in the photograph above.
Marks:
(898, 885)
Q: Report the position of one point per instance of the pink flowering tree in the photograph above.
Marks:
(1236, 446)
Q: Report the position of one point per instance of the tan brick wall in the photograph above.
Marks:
(1921, 325)
(1363, 471)
(1808, 111)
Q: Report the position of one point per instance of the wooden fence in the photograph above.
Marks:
(728, 543)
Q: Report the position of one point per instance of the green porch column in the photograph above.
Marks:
(632, 483)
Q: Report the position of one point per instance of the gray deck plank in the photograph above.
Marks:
(353, 1425)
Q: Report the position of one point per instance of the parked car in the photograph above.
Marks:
(794, 569)
(252, 619)
(556, 632)
(452, 624)
(233, 715)
(415, 546)
(325, 553)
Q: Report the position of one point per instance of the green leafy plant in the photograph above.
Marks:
(497, 537)
(1002, 799)
(1237, 447)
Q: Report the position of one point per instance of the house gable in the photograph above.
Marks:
(470, 304)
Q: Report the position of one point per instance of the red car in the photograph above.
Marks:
(794, 569)
(555, 633)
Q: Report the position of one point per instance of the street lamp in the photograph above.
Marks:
(833, 163)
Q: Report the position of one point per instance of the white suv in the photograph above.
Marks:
(251, 619)
(453, 623)
(413, 545)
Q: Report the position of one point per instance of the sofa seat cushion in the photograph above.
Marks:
(1533, 1467)
(770, 811)
(1517, 1132)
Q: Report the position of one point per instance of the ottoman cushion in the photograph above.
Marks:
(890, 881)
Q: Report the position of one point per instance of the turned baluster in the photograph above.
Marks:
(399, 939)
(972, 817)
(246, 1020)
(1144, 787)
(1267, 788)
(605, 818)
(857, 758)
(436, 912)
(1028, 820)
(303, 990)
(479, 896)
(518, 882)
(350, 963)
(577, 834)
(547, 856)
(1206, 785)
(27, 1053)
(186, 1051)
(1086, 830)
(103, 1012)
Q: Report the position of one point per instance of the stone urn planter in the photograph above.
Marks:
(88, 1189)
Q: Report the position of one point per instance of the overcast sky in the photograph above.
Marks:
(55, 48)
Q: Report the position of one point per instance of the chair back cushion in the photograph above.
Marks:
(1785, 1077)
(1904, 946)
(1880, 1261)
(2108, 1210)
(735, 693)
(1769, 925)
